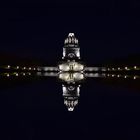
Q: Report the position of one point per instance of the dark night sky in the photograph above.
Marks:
(105, 30)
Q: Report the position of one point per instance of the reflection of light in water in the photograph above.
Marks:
(8, 66)
(103, 69)
(103, 74)
(113, 75)
(118, 76)
(39, 69)
(71, 93)
(50, 74)
(71, 77)
(93, 75)
(39, 73)
(71, 88)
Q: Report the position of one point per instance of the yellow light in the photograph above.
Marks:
(126, 68)
(8, 66)
(16, 74)
(8, 75)
(125, 76)
(135, 67)
(118, 76)
(24, 68)
(30, 68)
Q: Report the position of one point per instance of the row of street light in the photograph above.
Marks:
(123, 76)
(20, 68)
(123, 68)
(15, 74)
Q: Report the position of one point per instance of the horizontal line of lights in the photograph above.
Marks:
(123, 76)
(19, 68)
(15, 74)
(123, 68)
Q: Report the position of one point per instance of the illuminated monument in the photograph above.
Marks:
(71, 71)
(71, 50)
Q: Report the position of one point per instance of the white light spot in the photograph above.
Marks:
(70, 108)
(8, 66)
(118, 76)
(135, 67)
(134, 77)
(71, 34)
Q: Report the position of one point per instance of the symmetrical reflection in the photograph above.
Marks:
(71, 77)
(71, 93)
(71, 72)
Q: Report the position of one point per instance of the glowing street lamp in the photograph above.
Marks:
(8, 66)
(126, 68)
(113, 75)
(17, 67)
(119, 68)
(135, 67)
(118, 76)
(134, 77)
